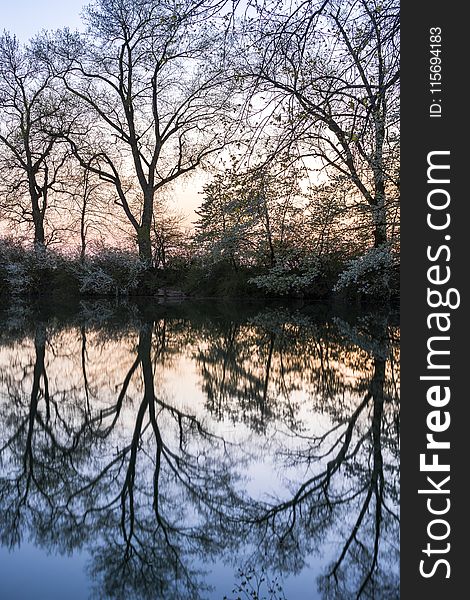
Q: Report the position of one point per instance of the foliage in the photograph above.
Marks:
(110, 271)
(282, 279)
(25, 271)
(291, 108)
(247, 215)
(370, 273)
(328, 74)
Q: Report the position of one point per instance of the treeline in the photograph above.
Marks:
(290, 108)
(116, 272)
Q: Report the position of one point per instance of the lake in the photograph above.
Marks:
(198, 450)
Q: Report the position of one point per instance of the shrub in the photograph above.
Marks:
(24, 271)
(370, 273)
(282, 279)
(111, 271)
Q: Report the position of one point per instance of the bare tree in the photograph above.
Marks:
(151, 80)
(329, 70)
(31, 159)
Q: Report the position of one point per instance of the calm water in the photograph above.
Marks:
(198, 451)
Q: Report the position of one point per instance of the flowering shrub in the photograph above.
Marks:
(110, 272)
(16, 277)
(370, 273)
(282, 279)
(23, 271)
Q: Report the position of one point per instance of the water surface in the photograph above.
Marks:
(198, 451)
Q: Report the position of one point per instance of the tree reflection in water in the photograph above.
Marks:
(99, 452)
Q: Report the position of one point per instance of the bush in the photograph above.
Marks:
(111, 271)
(370, 274)
(117, 272)
(24, 271)
(282, 279)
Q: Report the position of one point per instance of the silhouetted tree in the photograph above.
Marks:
(150, 76)
(32, 158)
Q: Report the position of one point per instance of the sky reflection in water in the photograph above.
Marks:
(197, 452)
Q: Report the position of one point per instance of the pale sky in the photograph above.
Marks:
(25, 18)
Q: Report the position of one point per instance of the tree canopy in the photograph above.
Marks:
(290, 108)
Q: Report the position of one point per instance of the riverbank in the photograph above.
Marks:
(116, 273)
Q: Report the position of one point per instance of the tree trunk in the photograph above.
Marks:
(144, 243)
(163, 253)
(143, 232)
(83, 227)
(38, 219)
(39, 242)
(380, 223)
(272, 257)
(379, 209)
(380, 241)
(82, 237)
